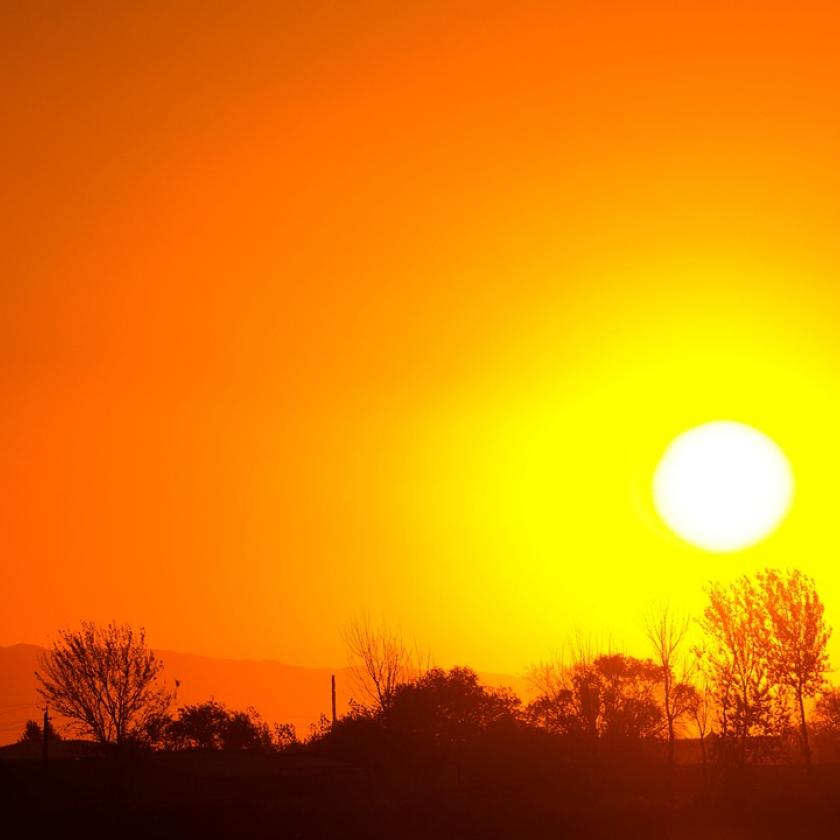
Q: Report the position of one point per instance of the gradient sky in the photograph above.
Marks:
(310, 309)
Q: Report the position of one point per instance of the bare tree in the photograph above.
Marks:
(551, 676)
(104, 680)
(797, 640)
(666, 634)
(380, 661)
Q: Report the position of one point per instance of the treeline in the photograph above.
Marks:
(754, 685)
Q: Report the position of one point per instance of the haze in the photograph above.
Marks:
(314, 310)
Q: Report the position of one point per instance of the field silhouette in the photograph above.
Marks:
(500, 784)
(738, 737)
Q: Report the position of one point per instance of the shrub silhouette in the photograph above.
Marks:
(428, 721)
(33, 733)
(449, 707)
(212, 726)
(612, 697)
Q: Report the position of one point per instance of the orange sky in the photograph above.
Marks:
(309, 309)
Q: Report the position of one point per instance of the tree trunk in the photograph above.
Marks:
(745, 727)
(803, 731)
(669, 716)
(671, 744)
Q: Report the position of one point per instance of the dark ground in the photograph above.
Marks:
(244, 795)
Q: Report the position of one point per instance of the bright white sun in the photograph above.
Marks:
(723, 486)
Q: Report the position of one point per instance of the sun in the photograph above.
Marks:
(723, 486)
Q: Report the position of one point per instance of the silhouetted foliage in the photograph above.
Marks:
(827, 712)
(104, 680)
(212, 726)
(199, 726)
(765, 656)
(246, 731)
(450, 706)
(428, 724)
(666, 634)
(613, 696)
(284, 736)
(33, 733)
(700, 707)
(798, 637)
(826, 725)
(320, 728)
(736, 663)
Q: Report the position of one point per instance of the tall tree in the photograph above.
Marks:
(666, 634)
(798, 637)
(105, 681)
(738, 662)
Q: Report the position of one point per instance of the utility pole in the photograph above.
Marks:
(333, 700)
(46, 740)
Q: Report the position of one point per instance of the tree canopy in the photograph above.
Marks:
(105, 681)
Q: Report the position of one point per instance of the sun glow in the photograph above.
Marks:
(723, 486)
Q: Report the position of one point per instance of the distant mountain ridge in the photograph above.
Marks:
(280, 693)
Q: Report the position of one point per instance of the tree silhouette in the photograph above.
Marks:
(737, 663)
(284, 735)
(666, 634)
(380, 661)
(431, 724)
(699, 703)
(245, 730)
(449, 706)
(33, 733)
(611, 696)
(798, 637)
(568, 700)
(629, 708)
(827, 711)
(104, 680)
(199, 726)
(212, 726)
